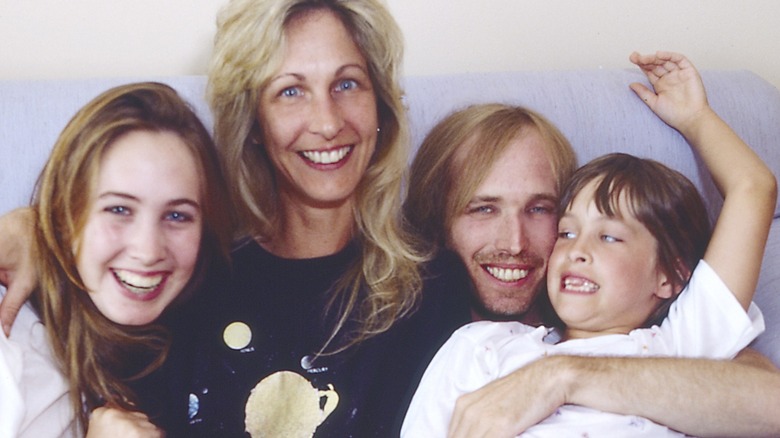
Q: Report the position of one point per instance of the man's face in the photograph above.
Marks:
(506, 233)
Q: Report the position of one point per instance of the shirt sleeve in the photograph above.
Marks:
(34, 400)
(707, 320)
(11, 403)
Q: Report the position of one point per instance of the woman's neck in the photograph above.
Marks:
(308, 232)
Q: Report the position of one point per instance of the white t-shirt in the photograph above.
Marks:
(705, 321)
(33, 391)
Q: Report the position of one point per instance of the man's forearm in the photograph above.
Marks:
(695, 396)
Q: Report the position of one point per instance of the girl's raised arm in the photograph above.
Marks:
(749, 188)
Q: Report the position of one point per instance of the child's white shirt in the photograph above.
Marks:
(705, 321)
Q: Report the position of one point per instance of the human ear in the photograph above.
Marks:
(669, 288)
(665, 290)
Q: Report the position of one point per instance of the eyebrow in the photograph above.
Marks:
(484, 199)
(603, 218)
(360, 67)
(184, 201)
(546, 197)
(535, 198)
(301, 77)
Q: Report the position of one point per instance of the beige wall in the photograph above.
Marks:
(84, 38)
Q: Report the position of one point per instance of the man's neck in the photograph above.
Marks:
(531, 317)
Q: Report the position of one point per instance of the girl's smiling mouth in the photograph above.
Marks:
(139, 284)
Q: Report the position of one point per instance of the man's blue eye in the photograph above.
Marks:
(542, 210)
(484, 209)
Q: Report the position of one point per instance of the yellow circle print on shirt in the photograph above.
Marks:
(237, 335)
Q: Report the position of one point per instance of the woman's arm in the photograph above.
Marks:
(17, 263)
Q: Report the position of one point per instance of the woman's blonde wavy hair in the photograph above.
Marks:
(98, 356)
(384, 284)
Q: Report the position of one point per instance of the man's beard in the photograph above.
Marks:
(531, 313)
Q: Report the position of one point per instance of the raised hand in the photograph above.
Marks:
(678, 95)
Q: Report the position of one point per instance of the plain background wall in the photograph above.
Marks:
(93, 38)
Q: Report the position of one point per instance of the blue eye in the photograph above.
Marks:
(481, 209)
(346, 85)
(177, 216)
(542, 210)
(291, 92)
(118, 210)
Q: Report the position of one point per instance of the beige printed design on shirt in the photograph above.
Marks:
(285, 404)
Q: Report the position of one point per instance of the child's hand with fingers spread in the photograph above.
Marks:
(678, 97)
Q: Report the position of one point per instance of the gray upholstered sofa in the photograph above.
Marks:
(595, 109)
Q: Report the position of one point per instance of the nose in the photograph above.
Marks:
(512, 237)
(578, 251)
(147, 242)
(326, 117)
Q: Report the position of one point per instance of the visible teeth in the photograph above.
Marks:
(327, 157)
(507, 275)
(579, 285)
(138, 284)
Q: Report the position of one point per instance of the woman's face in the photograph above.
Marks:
(140, 243)
(318, 114)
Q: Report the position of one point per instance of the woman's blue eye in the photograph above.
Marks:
(177, 216)
(348, 84)
(118, 209)
(290, 92)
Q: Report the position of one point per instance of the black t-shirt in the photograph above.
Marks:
(280, 303)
